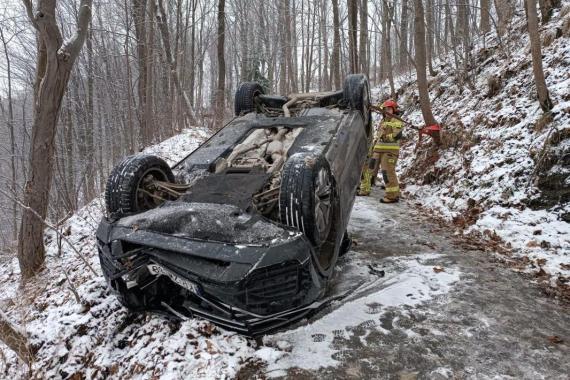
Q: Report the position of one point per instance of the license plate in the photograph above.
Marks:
(161, 271)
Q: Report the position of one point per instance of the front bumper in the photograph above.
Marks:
(248, 288)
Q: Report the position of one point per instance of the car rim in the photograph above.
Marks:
(148, 195)
(323, 193)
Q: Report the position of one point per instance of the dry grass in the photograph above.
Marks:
(544, 120)
(494, 85)
(549, 36)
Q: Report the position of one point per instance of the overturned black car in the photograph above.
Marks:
(247, 229)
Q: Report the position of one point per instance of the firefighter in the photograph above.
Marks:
(384, 153)
(387, 149)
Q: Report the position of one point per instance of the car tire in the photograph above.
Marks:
(306, 197)
(245, 97)
(356, 93)
(126, 194)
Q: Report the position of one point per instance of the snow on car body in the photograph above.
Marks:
(248, 233)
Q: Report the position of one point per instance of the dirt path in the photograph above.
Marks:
(474, 319)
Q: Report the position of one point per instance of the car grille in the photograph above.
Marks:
(274, 283)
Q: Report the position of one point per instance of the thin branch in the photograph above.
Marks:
(30, 11)
(16, 339)
(62, 236)
(72, 46)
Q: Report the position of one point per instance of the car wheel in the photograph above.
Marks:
(306, 197)
(245, 97)
(130, 187)
(356, 92)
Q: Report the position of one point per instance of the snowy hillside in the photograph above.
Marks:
(504, 168)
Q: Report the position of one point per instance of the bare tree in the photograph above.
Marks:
(335, 59)
(352, 6)
(485, 26)
(162, 23)
(363, 43)
(404, 35)
(420, 45)
(505, 11)
(327, 78)
(54, 64)
(221, 63)
(535, 50)
(546, 7)
(139, 15)
(10, 124)
(387, 50)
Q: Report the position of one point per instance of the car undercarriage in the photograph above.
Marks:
(246, 230)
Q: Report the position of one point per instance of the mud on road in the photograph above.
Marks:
(419, 307)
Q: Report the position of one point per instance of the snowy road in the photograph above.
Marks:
(439, 312)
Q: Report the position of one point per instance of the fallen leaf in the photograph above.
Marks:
(555, 339)
(540, 262)
(565, 266)
(210, 347)
(532, 244)
(438, 269)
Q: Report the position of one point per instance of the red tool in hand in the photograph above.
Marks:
(434, 131)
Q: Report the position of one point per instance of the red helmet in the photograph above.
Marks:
(390, 103)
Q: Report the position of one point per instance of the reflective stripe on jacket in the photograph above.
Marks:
(388, 136)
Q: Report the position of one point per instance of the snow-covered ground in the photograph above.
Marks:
(503, 169)
(482, 181)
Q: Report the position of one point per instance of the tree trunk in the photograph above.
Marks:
(52, 75)
(363, 43)
(535, 50)
(90, 174)
(327, 82)
(352, 6)
(546, 7)
(387, 22)
(221, 64)
(283, 85)
(290, 50)
(505, 11)
(420, 45)
(10, 123)
(404, 35)
(148, 134)
(485, 26)
(164, 31)
(139, 16)
(131, 147)
(193, 53)
(430, 37)
(335, 59)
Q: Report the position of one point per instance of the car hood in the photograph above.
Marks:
(209, 222)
